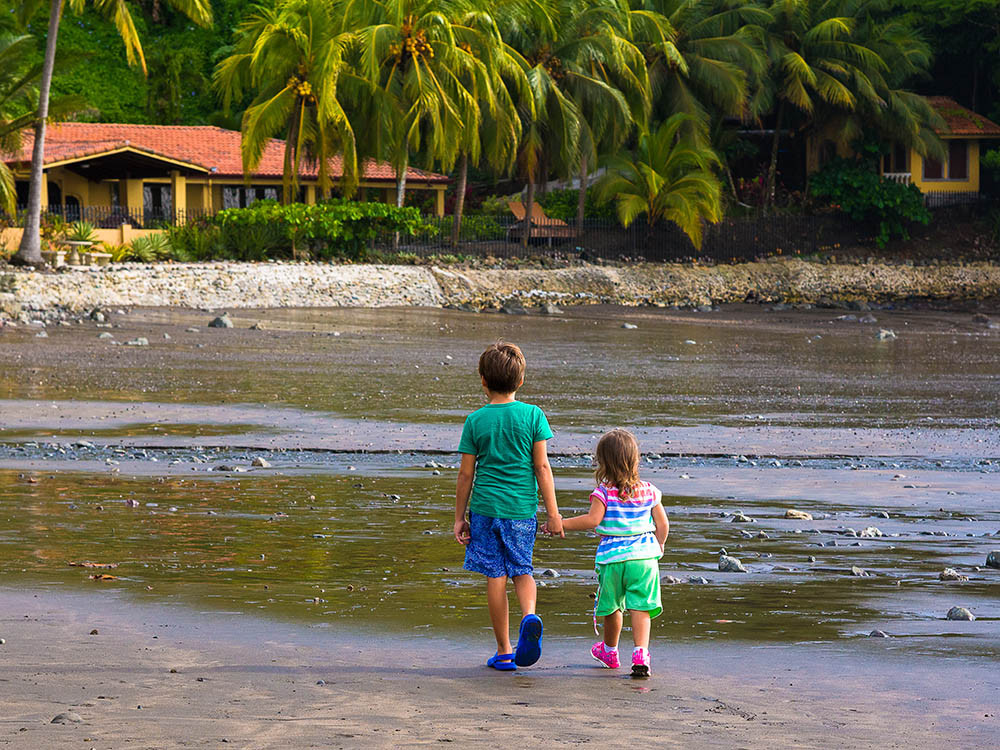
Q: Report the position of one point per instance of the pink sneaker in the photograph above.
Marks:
(608, 658)
(640, 662)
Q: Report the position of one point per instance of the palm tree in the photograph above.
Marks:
(412, 84)
(199, 11)
(17, 99)
(587, 83)
(818, 60)
(291, 57)
(670, 177)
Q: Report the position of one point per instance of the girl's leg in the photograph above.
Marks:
(640, 627)
(612, 629)
(496, 602)
(527, 593)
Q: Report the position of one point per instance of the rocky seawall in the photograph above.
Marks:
(247, 285)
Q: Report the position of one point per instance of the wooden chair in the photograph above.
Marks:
(542, 227)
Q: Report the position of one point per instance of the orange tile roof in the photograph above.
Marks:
(960, 120)
(216, 150)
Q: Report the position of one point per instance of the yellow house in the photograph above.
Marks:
(954, 180)
(143, 175)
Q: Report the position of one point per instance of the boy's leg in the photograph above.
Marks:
(496, 602)
(527, 593)
(640, 627)
(613, 629)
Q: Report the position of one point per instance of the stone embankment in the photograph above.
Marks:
(242, 285)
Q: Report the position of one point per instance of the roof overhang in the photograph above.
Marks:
(125, 161)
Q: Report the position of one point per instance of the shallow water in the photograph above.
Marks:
(337, 540)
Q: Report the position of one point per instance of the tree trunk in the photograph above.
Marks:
(400, 195)
(772, 170)
(30, 251)
(463, 175)
(581, 202)
(526, 230)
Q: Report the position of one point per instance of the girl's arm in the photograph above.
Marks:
(588, 520)
(463, 488)
(546, 487)
(661, 523)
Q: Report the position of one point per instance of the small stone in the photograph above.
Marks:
(140, 341)
(436, 473)
(105, 335)
(690, 341)
(94, 632)
(549, 309)
(859, 572)
(320, 682)
(877, 634)
(960, 613)
(98, 317)
(811, 558)
(41, 335)
(730, 564)
(130, 503)
(871, 532)
(166, 337)
(993, 559)
(222, 321)
(670, 580)
(192, 329)
(513, 309)
(950, 574)
(2, 641)
(258, 326)
(799, 515)
(550, 573)
(260, 463)
(739, 517)
(629, 326)
(868, 319)
(881, 514)
(68, 717)
(885, 334)
(224, 467)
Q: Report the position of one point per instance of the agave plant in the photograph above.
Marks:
(80, 231)
(151, 248)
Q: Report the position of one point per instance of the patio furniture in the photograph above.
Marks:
(542, 227)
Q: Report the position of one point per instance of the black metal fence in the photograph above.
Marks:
(112, 217)
(732, 239)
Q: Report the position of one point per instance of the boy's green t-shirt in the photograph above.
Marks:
(501, 436)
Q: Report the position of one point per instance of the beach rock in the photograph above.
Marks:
(140, 341)
(980, 319)
(950, 574)
(739, 517)
(704, 308)
(222, 321)
(690, 342)
(629, 326)
(885, 334)
(224, 467)
(258, 326)
(167, 337)
(730, 564)
(960, 613)
(799, 515)
(868, 319)
(871, 532)
(513, 309)
(670, 580)
(993, 559)
(698, 580)
(877, 634)
(881, 514)
(98, 316)
(549, 573)
(2, 641)
(105, 335)
(549, 309)
(859, 572)
(261, 463)
(67, 717)
(41, 335)
(192, 329)
(858, 305)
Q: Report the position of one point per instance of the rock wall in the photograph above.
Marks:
(238, 285)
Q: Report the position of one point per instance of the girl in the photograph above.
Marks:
(633, 526)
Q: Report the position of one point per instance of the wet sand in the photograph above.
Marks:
(250, 685)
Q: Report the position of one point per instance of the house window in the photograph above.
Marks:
(241, 197)
(933, 169)
(897, 161)
(157, 202)
(958, 160)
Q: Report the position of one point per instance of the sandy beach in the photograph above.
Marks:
(166, 677)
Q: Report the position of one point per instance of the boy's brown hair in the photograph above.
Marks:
(618, 462)
(502, 366)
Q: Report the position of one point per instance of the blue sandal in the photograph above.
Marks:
(529, 641)
(502, 662)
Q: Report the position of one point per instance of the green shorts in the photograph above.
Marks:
(630, 584)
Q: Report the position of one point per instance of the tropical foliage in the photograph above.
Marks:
(647, 93)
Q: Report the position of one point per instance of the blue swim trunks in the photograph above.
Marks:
(500, 546)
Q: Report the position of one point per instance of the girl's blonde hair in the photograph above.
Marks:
(618, 462)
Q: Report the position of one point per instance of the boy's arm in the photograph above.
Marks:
(661, 523)
(546, 486)
(463, 488)
(588, 520)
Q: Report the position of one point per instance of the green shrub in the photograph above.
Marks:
(860, 192)
(150, 248)
(334, 228)
(474, 228)
(562, 204)
(196, 241)
(80, 231)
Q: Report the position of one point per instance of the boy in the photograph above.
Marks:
(504, 468)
